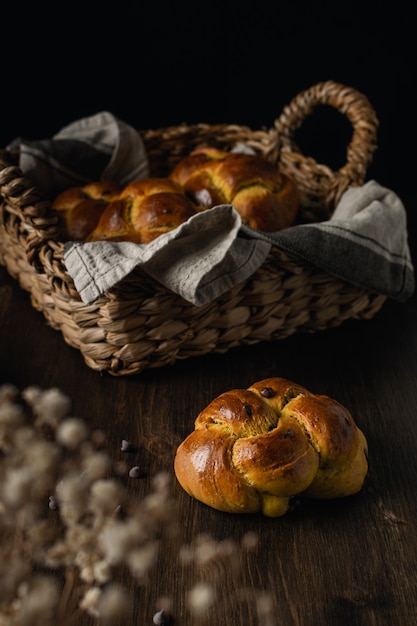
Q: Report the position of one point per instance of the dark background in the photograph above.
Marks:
(160, 64)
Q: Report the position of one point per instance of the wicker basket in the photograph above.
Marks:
(140, 324)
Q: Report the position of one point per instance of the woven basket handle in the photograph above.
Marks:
(28, 214)
(318, 183)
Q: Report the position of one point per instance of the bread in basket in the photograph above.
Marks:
(141, 324)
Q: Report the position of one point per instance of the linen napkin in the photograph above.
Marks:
(199, 260)
(98, 147)
(364, 243)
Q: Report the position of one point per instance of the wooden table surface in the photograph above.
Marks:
(343, 562)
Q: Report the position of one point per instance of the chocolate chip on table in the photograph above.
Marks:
(136, 472)
(162, 618)
(127, 446)
(53, 504)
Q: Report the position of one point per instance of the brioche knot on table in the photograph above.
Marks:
(254, 449)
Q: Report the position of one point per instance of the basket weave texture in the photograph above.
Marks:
(140, 324)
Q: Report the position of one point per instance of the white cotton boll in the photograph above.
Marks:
(266, 609)
(105, 496)
(201, 597)
(161, 482)
(32, 395)
(72, 494)
(71, 433)
(117, 539)
(23, 438)
(17, 487)
(43, 458)
(102, 572)
(8, 392)
(72, 489)
(90, 601)
(13, 575)
(158, 508)
(53, 405)
(11, 417)
(250, 540)
(81, 536)
(85, 562)
(92, 570)
(60, 554)
(50, 406)
(142, 559)
(206, 549)
(37, 605)
(43, 455)
(114, 604)
(97, 465)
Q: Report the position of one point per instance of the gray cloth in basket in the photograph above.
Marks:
(364, 243)
(99, 147)
(200, 260)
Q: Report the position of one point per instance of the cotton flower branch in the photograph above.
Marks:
(60, 506)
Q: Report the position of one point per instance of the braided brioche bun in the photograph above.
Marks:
(265, 198)
(80, 208)
(254, 449)
(144, 210)
(139, 212)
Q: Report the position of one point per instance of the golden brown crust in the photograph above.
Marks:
(139, 213)
(194, 161)
(254, 449)
(144, 210)
(265, 198)
(80, 208)
(204, 468)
